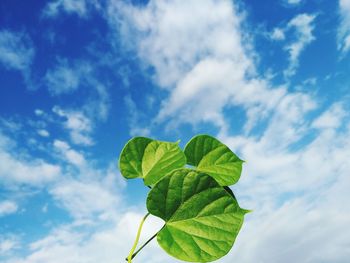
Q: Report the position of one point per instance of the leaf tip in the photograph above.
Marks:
(247, 211)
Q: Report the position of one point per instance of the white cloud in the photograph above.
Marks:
(100, 222)
(308, 168)
(33, 172)
(135, 126)
(303, 27)
(111, 244)
(89, 193)
(77, 124)
(45, 208)
(293, 2)
(199, 57)
(10, 124)
(16, 168)
(69, 154)
(66, 78)
(297, 232)
(300, 193)
(39, 112)
(333, 118)
(17, 52)
(78, 7)
(8, 244)
(278, 34)
(43, 133)
(85, 200)
(162, 31)
(91, 196)
(97, 106)
(310, 81)
(7, 207)
(344, 28)
(347, 43)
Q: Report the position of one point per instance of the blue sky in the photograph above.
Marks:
(78, 78)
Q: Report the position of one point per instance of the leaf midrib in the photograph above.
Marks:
(188, 200)
(156, 161)
(197, 217)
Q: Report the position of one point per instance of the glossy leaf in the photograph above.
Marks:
(214, 158)
(130, 161)
(150, 159)
(202, 218)
(159, 159)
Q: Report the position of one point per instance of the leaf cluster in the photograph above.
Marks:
(190, 192)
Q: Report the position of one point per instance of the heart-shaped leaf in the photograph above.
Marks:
(202, 219)
(130, 160)
(150, 159)
(214, 158)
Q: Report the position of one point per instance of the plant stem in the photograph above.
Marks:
(130, 257)
(149, 240)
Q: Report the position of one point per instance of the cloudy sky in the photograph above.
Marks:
(78, 78)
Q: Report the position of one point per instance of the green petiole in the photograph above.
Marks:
(149, 240)
(131, 254)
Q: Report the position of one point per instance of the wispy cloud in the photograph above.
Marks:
(43, 133)
(8, 243)
(8, 207)
(18, 168)
(78, 197)
(278, 34)
(78, 125)
(69, 155)
(32, 172)
(136, 127)
(64, 78)
(68, 77)
(76, 245)
(78, 7)
(72, 190)
(344, 28)
(293, 2)
(191, 65)
(301, 28)
(17, 53)
(331, 119)
(295, 187)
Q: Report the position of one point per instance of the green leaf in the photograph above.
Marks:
(130, 161)
(150, 159)
(161, 158)
(202, 219)
(214, 158)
